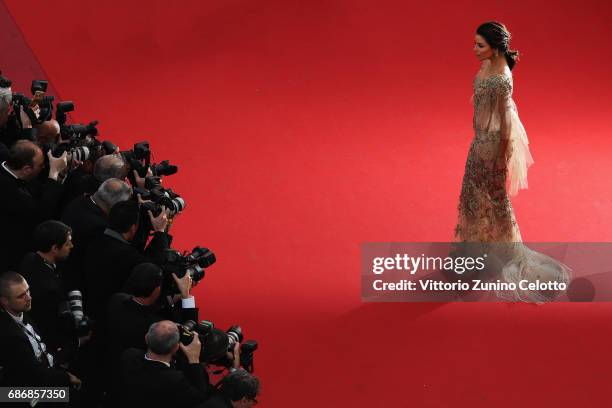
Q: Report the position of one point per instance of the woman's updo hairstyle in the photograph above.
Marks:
(498, 37)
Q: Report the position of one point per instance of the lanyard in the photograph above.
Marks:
(44, 358)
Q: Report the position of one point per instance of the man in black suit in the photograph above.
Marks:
(237, 390)
(23, 355)
(22, 209)
(149, 379)
(88, 218)
(81, 181)
(9, 127)
(131, 314)
(111, 257)
(52, 241)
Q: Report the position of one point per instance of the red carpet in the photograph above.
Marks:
(303, 129)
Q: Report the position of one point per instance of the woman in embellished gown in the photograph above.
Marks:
(496, 166)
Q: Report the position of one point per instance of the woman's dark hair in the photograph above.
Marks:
(498, 37)
(49, 233)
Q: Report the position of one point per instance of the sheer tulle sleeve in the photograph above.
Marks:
(517, 148)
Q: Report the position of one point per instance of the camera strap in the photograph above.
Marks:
(43, 357)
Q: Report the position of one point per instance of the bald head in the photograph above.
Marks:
(163, 337)
(6, 97)
(110, 166)
(111, 192)
(48, 131)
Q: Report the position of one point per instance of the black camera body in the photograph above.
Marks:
(190, 329)
(158, 197)
(191, 263)
(45, 103)
(139, 159)
(215, 343)
(163, 168)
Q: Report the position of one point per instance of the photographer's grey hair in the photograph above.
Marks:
(109, 166)
(113, 191)
(160, 340)
(6, 97)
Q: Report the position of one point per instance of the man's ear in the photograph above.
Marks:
(133, 229)
(156, 292)
(3, 302)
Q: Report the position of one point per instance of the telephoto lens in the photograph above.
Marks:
(75, 300)
(203, 256)
(80, 153)
(235, 336)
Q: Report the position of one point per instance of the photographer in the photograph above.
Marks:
(131, 314)
(52, 242)
(48, 132)
(81, 180)
(111, 257)
(10, 126)
(6, 97)
(23, 355)
(149, 379)
(88, 218)
(21, 207)
(238, 390)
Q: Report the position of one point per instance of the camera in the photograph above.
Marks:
(247, 348)
(215, 343)
(72, 315)
(44, 102)
(79, 132)
(60, 111)
(158, 197)
(191, 263)
(189, 329)
(163, 168)
(138, 159)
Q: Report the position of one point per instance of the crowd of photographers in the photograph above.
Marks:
(92, 296)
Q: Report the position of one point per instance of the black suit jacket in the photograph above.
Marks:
(128, 322)
(77, 184)
(22, 208)
(152, 384)
(217, 401)
(20, 365)
(87, 221)
(48, 296)
(109, 262)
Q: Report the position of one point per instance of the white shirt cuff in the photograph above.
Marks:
(188, 303)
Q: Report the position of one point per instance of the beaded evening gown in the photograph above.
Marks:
(485, 212)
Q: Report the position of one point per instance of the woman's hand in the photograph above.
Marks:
(501, 162)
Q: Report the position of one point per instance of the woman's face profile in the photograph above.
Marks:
(481, 48)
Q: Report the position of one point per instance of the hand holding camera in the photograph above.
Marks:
(192, 350)
(234, 356)
(159, 223)
(57, 164)
(184, 285)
